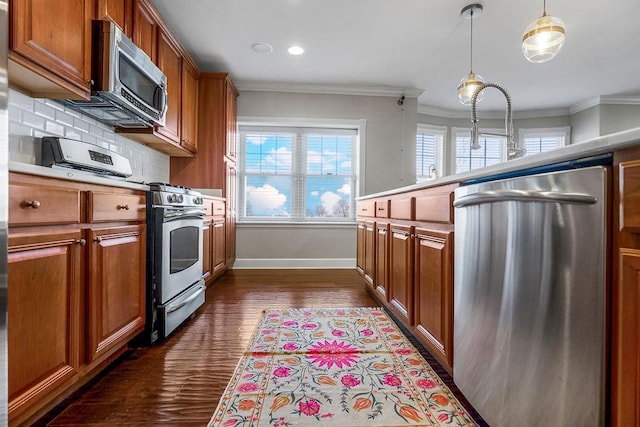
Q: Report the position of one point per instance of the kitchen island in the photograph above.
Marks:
(405, 253)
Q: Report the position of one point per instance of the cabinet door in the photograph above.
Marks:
(231, 120)
(382, 260)
(369, 252)
(116, 289)
(58, 49)
(44, 272)
(189, 114)
(626, 342)
(170, 62)
(219, 246)
(145, 28)
(230, 194)
(207, 249)
(116, 11)
(360, 251)
(433, 293)
(400, 280)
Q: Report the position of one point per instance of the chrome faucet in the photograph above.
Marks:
(513, 151)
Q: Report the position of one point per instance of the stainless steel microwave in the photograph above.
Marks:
(128, 90)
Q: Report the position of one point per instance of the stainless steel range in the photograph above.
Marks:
(174, 244)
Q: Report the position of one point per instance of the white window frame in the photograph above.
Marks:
(461, 132)
(297, 213)
(441, 137)
(563, 131)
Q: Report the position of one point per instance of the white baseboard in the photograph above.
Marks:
(284, 263)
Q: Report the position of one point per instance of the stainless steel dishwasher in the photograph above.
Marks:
(530, 297)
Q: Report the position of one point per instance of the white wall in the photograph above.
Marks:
(585, 124)
(33, 118)
(386, 162)
(615, 118)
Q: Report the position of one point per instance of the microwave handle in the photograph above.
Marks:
(161, 91)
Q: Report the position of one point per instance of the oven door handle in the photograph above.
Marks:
(173, 308)
(172, 216)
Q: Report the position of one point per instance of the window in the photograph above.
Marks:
(492, 151)
(429, 152)
(542, 140)
(297, 173)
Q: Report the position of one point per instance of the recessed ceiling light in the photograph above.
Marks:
(295, 50)
(262, 47)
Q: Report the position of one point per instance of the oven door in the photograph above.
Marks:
(181, 255)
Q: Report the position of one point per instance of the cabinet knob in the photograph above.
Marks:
(123, 207)
(81, 242)
(35, 204)
(98, 239)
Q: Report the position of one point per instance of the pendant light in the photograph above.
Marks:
(471, 81)
(543, 38)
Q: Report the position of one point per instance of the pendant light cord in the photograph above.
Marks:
(471, 50)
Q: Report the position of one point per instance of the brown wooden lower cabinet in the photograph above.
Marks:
(218, 239)
(76, 286)
(433, 292)
(381, 278)
(44, 289)
(116, 287)
(369, 252)
(400, 272)
(360, 253)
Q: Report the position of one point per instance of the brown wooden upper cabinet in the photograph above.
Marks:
(119, 12)
(189, 122)
(51, 57)
(170, 62)
(145, 27)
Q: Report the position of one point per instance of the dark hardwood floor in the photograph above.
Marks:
(179, 382)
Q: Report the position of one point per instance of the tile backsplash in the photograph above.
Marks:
(32, 118)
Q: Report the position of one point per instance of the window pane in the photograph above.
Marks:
(541, 144)
(328, 197)
(328, 154)
(489, 153)
(267, 196)
(268, 153)
(425, 153)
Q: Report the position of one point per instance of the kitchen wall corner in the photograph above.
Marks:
(32, 118)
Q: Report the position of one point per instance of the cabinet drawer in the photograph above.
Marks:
(116, 207)
(402, 208)
(435, 208)
(208, 207)
(382, 209)
(218, 208)
(29, 204)
(366, 208)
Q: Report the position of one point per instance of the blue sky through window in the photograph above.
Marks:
(271, 182)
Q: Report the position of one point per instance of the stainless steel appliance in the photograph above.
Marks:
(174, 246)
(128, 89)
(529, 286)
(72, 154)
(4, 192)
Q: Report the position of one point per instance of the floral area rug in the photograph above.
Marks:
(334, 367)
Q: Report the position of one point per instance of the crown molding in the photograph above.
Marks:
(261, 86)
(463, 114)
(605, 100)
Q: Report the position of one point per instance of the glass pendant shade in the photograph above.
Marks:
(543, 39)
(468, 86)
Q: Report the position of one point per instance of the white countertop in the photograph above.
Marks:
(593, 147)
(74, 175)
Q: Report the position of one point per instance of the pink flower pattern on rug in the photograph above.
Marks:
(334, 367)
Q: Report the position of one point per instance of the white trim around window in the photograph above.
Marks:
(297, 135)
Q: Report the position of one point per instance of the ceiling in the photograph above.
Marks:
(398, 46)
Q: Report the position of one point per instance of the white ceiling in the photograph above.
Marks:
(415, 44)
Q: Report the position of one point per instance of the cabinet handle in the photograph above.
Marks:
(98, 239)
(125, 207)
(380, 209)
(35, 204)
(81, 242)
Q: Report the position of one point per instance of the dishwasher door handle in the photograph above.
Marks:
(524, 196)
